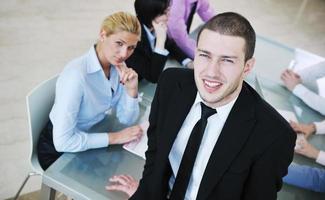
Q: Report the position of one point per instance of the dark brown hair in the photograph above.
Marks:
(233, 24)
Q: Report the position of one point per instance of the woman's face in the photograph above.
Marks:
(119, 46)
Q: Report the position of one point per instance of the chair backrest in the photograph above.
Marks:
(39, 103)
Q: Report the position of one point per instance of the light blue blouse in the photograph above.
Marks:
(83, 97)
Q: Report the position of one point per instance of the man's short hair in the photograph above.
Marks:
(148, 10)
(233, 24)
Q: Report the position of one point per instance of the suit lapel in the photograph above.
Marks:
(233, 136)
(144, 43)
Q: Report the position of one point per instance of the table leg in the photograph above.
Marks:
(47, 193)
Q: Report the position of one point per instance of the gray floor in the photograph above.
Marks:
(37, 38)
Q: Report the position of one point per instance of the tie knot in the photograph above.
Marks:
(206, 111)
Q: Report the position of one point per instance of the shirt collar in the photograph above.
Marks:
(223, 111)
(94, 64)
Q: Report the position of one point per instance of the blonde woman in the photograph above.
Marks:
(91, 85)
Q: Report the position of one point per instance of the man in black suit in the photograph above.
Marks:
(154, 48)
(246, 147)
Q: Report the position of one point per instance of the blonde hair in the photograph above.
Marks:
(121, 21)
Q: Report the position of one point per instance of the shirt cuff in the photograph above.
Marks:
(97, 140)
(163, 52)
(299, 90)
(321, 158)
(186, 61)
(320, 127)
(130, 102)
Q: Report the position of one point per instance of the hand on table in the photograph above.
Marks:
(306, 149)
(306, 129)
(126, 135)
(290, 79)
(123, 183)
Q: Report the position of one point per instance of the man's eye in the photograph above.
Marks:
(227, 60)
(204, 55)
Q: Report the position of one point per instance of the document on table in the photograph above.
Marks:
(140, 146)
(311, 69)
(304, 59)
(288, 115)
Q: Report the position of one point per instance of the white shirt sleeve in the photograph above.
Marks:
(66, 136)
(320, 127)
(128, 109)
(321, 158)
(163, 52)
(313, 100)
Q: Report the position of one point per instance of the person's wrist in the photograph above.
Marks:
(160, 43)
(133, 92)
(292, 87)
(312, 128)
(316, 153)
(111, 138)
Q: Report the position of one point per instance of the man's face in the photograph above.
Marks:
(220, 67)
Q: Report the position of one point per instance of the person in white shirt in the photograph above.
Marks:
(305, 176)
(91, 86)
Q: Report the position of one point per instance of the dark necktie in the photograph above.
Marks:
(190, 17)
(189, 156)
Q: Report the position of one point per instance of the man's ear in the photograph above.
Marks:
(249, 65)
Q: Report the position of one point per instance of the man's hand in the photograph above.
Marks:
(290, 79)
(129, 78)
(123, 183)
(306, 129)
(126, 135)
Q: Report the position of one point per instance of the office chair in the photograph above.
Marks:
(39, 103)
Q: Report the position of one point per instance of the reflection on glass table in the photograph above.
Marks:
(84, 175)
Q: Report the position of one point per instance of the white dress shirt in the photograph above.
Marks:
(210, 137)
(312, 99)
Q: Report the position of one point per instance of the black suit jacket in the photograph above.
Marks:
(149, 64)
(251, 156)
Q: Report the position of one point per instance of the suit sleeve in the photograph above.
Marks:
(148, 67)
(265, 178)
(175, 51)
